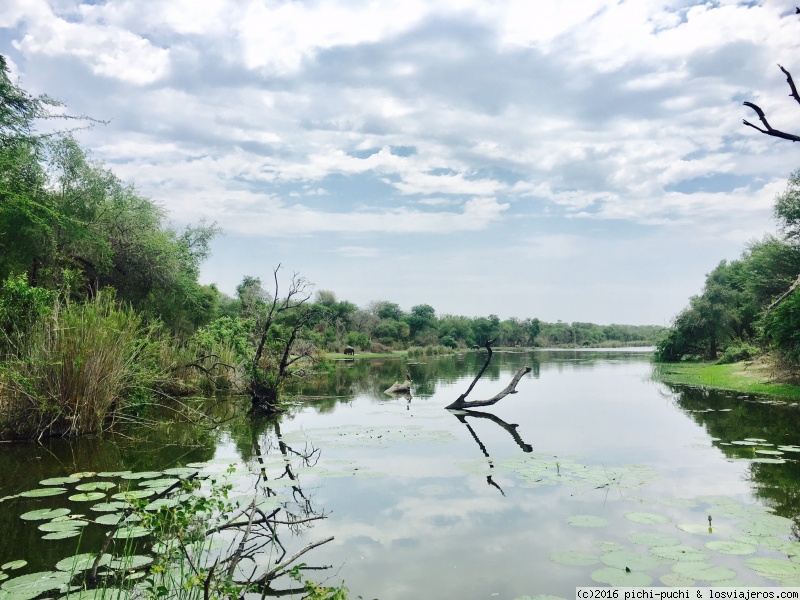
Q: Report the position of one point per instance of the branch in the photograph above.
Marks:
(768, 129)
(784, 295)
(277, 569)
(509, 389)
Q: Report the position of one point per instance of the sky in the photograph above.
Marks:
(581, 161)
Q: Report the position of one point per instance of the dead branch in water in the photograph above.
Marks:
(511, 388)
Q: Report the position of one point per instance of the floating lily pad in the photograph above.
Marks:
(745, 443)
(730, 547)
(83, 474)
(109, 506)
(81, 562)
(87, 497)
(113, 473)
(101, 593)
(645, 538)
(773, 567)
(44, 514)
(142, 475)
(181, 471)
(43, 581)
(679, 553)
(648, 518)
(14, 564)
(621, 578)
(133, 494)
(59, 481)
(702, 528)
(587, 521)
(109, 519)
(132, 532)
(43, 492)
(62, 525)
(772, 452)
(702, 571)
(134, 562)
(95, 485)
(632, 560)
(62, 535)
(574, 558)
(675, 580)
(156, 483)
(769, 461)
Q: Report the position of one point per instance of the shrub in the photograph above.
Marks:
(738, 352)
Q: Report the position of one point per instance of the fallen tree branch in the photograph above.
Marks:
(784, 295)
(279, 568)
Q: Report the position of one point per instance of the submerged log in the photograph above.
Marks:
(400, 388)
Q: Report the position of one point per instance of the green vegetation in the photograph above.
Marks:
(747, 306)
(739, 377)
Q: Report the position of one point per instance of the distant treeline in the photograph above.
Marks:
(748, 306)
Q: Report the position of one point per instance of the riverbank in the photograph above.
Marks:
(750, 377)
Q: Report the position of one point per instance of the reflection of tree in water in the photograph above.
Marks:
(511, 428)
(731, 418)
(258, 438)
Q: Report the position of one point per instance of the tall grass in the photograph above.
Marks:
(74, 372)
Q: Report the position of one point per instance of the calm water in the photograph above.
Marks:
(425, 503)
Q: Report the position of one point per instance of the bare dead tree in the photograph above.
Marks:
(270, 369)
(768, 129)
(511, 388)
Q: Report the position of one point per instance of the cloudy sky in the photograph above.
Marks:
(582, 161)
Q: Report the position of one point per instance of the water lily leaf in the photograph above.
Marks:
(112, 473)
(156, 483)
(109, 506)
(142, 475)
(44, 514)
(134, 562)
(81, 562)
(181, 472)
(574, 558)
(132, 532)
(621, 578)
(773, 452)
(43, 581)
(648, 518)
(675, 580)
(680, 553)
(42, 492)
(62, 535)
(702, 571)
(632, 560)
(62, 525)
(84, 474)
(87, 497)
(587, 521)
(745, 443)
(95, 485)
(769, 461)
(59, 481)
(109, 519)
(789, 448)
(645, 538)
(731, 547)
(696, 528)
(773, 567)
(133, 494)
(101, 593)
(14, 564)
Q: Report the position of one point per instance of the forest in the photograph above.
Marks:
(101, 301)
(748, 307)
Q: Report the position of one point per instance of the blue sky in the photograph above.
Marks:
(581, 161)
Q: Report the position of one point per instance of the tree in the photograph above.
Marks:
(768, 129)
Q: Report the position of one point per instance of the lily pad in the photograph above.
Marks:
(773, 567)
(62, 535)
(42, 492)
(14, 564)
(132, 532)
(44, 514)
(81, 562)
(40, 582)
(109, 519)
(631, 560)
(95, 485)
(142, 475)
(648, 518)
(62, 525)
(679, 553)
(113, 473)
(675, 580)
(84, 474)
(109, 506)
(87, 497)
(163, 482)
(621, 578)
(702, 571)
(587, 521)
(646, 538)
(59, 481)
(181, 472)
(572, 557)
(134, 562)
(730, 547)
(133, 494)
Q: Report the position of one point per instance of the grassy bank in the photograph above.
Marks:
(744, 377)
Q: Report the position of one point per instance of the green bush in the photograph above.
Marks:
(738, 352)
